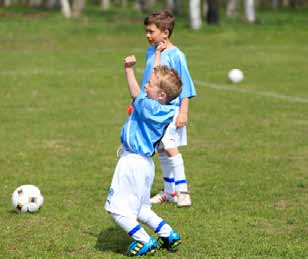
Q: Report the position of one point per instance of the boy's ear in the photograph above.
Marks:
(162, 96)
(166, 34)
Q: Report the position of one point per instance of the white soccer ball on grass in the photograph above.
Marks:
(27, 198)
(235, 75)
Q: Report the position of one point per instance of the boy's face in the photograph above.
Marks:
(155, 35)
(152, 90)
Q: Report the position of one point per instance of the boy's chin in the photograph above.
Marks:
(152, 43)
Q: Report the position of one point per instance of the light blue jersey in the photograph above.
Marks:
(173, 58)
(146, 125)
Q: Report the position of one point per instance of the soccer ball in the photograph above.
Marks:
(27, 198)
(235, 75)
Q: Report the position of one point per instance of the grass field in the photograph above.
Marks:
(63, 100)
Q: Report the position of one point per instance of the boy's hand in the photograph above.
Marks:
(161, 46)
(181, 120)
(130, 61)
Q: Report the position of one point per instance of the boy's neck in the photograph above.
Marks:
(169, 44)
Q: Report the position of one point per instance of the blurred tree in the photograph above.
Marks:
(50, 4)
(124, 3)
(66, 9)
(35, 3)
(250, 12)
(275, 4)
(105, 4)
(213, 12)
(77, 7)
(195, 14)
(144, 5)
(7, 2)
(232, 8)
(171, 5)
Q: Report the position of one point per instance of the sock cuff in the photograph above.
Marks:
(163, 157)
(176, 160)
(160, 225)
(134, 230)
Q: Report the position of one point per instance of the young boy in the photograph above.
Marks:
(128, 200)
(159, 27)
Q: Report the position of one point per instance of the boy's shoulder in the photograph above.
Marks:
(170, 51)
(151, 48)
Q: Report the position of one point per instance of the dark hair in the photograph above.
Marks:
(164, 20)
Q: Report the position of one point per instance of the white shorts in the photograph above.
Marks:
(174, 137)
(131, 185)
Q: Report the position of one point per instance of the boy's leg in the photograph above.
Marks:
(168, 194)
(176, 166)
(168, 238)
(173, 165)
(143, 244)
(169, 182)
(131, 227)
(130, 184)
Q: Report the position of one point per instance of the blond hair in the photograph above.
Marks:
(169, 81)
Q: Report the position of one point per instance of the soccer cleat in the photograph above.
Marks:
(163, 197)
(170, 243)
(183, 199)
(137, 248)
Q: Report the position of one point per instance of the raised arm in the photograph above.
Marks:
(159, 49)
(133, 85)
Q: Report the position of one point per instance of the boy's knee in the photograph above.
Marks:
(172, 152)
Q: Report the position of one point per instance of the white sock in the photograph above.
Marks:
(132, 227)
(149, 217)
(169, 185)
(177, 165)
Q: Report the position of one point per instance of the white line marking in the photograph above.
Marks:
(292, 99)
(261, 93)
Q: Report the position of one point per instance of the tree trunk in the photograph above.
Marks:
(105, 4)
(171, 5)
(174, 6)
(204, 8)
(195, 14)
(250, 11)
(232, 8)
(51, 4)
(212, 13)
(144, 5)
(7, 2)
(77, 7)
(66, 9)
(275, 4)
(285, 3)
(35, 3)
(124, 3)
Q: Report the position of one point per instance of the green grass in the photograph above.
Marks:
(63, 100)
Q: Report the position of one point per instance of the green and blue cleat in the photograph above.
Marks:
(170, 243)
(137, 248)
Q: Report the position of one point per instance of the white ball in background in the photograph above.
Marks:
(235, 75)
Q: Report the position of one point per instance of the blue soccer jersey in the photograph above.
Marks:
(173, 58)
(146, 125)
